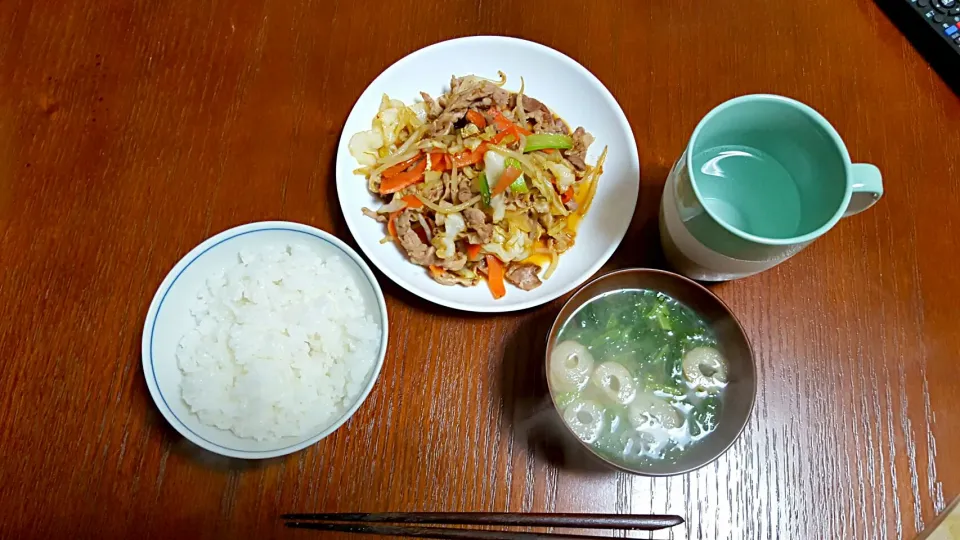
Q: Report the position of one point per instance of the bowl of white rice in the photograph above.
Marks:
(264, 339)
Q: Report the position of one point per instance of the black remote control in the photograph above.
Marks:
(933, 27)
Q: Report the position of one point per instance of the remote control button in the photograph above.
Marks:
(955, 10)
(939, 17)
(951, 31)
(948, 3)
(923, 3)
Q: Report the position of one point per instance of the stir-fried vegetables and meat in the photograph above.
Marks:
(481, 183)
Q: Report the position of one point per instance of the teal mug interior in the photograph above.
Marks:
(794, 169)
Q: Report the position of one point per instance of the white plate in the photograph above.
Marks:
(168, 319)
(559, 82)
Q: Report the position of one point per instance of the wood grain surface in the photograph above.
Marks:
(132, 130)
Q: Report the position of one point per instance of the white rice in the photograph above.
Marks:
(283, 344)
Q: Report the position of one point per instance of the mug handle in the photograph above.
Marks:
(867, 188)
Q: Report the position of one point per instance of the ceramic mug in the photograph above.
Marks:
(761, 178)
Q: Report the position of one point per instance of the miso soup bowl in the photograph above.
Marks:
(732, 342)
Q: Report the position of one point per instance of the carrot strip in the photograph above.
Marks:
(495, 277)
(391, 223)
(412, 201)
(512, 131)
(504, 124)
(468, 158)
(438, 161)
(399, 167)
(499, 137)
(507, 178)
(477, 119)
(501, 121)
(401, 180)
(473, 252)
(566, 195)
(435, 270)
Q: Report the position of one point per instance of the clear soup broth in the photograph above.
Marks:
(637, 376)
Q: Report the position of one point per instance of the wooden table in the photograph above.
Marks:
(131, 131)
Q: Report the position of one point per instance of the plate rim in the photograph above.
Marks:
(505, 308)
(166, 285)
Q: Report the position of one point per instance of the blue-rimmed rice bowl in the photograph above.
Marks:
(168, 319)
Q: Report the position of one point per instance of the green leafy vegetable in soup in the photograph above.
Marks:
(637, 375)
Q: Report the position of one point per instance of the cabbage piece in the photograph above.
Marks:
(494, 164)
(519, 220)
(389, 124)
(430, 177)
(394, 117)
(467, 273)
(499, 206)
(535, 175)
(364, 145)
(512, 245)
(472, 143)
(387, 103)
(444, 242)
(469, 130)
(563, 174)
(419, 111)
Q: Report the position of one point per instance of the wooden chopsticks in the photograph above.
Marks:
(371, 524)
